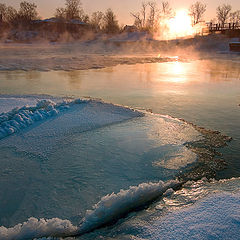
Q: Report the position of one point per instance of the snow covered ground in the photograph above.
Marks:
(213, 214)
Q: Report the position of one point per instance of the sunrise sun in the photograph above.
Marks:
(181, 24)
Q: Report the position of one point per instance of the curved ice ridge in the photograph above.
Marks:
(109, 209)
(20, 118)
(114, 206)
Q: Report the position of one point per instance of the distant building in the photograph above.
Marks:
(59, 25)
(130, 28)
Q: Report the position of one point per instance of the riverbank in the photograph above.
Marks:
(100, 54)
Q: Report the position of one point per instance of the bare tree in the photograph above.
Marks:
(11, 15)
(223, 13)
(196, 11)
(3, 9)
(147, 17)
(152, 15)
(144, 13)
(60, 13)
(73, 10)
(97, 20)
(110, 22)
(235, 17)
(8, 14)
(140, 18)
(27, 12)
(137, 20)
(166, 9)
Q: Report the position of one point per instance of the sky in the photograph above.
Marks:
(122, 8)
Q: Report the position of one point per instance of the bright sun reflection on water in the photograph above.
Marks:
(178, 68)
(176, 72)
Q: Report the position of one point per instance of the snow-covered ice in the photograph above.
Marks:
(36, 228)
(37, 125)
(52, 121)
(214, 217)
(20, 118)
(109, 209)
(114, 206)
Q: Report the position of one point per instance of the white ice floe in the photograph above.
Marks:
(9, 103)
(214, 217)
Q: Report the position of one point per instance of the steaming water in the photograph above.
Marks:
(85, 166)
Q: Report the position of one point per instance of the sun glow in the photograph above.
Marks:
(181, 24)
(178, 27)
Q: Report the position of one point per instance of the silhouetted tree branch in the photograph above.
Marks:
(223, 13)
(73, 10)
(96, 20)
(196, 11)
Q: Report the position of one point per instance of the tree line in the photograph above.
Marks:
(27, 12)
(151, 15)
(149, 18)
(73, 10)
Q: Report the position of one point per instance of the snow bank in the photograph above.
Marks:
(9, 103)
(19, 118)
(215, 217)
(114, 206)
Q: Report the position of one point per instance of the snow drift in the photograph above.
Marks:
(20, 118)
(114, 206)
(23, 117)
(34, 228)
(214, 217)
